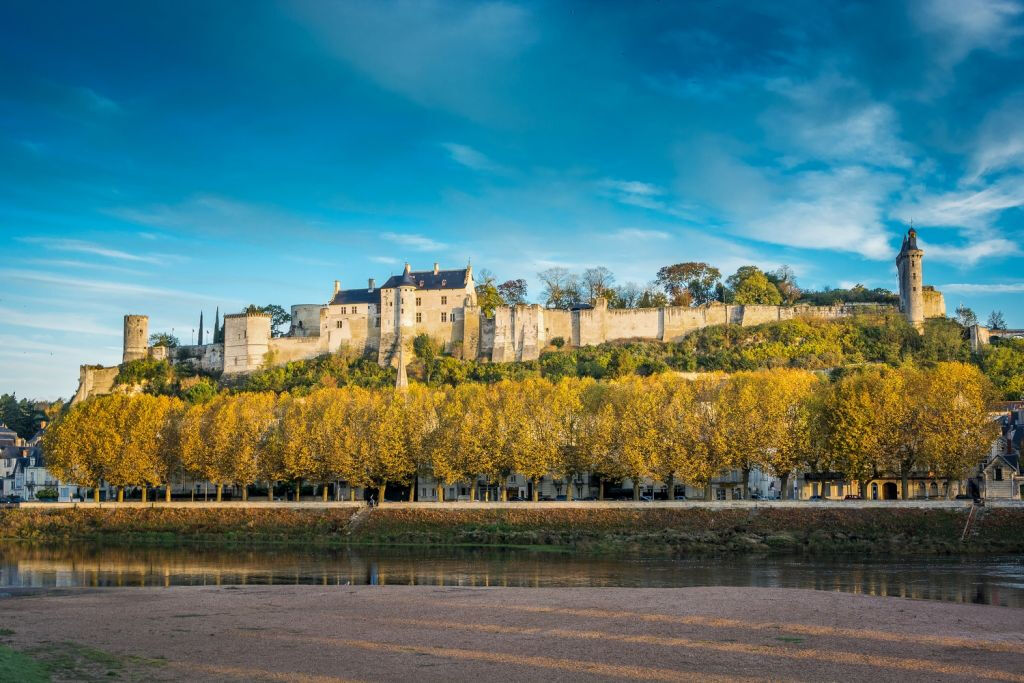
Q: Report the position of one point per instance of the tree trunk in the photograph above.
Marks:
(337, 490)
(220, 492)
(96, 494)
(600, 490)
(414, 487)
(503, 493)
(863, 486)
(949, 489)
(270, 491)
(380, 491)
(904, 483)
(568, 488)
(352, 494)
(746, 483)
(245, 492)
(323, 493)
(298, 491)
(145, 492)
(120, 494)
(536, 493)
(707, 492)
(636, 490)
(440, 493)
(167, 492)
(784, 493)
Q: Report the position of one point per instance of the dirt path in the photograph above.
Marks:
(394, 633)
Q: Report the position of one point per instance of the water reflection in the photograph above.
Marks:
(997, 581)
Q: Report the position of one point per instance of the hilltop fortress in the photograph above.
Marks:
(381, 322)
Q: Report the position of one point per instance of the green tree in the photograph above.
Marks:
(164, 339)
(487, 296)
(965, 317)
(996, 321)
(689, 283)
(278, 316)
(513, 292)
(749, 285)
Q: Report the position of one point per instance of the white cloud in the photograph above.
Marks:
(471, 158)
(60, 322)
(415, 242)
(959, 27)
(78, 246)
(1000, 143)
(457, 57)
(96, 102)
(105, 287)
(984, 288)
(970, 254)
(972, 209)
(832, 118)
(637, 234)
(387, 260)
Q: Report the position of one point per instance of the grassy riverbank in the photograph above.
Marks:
(661, 530)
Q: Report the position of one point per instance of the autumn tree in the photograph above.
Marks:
(513, 292)
(959, 431)
(382, 447)
(788, 410)
(75, 445)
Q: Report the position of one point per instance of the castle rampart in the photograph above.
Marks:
(382, 321)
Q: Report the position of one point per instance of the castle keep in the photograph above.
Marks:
(381, 322)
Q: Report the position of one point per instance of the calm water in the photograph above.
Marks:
(997, 581)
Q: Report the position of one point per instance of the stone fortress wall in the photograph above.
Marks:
(380, 322)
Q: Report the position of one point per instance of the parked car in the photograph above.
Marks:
(852, 496)
(647, 499)
(680, 497)
(815, 498)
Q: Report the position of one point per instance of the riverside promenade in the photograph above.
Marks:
(548, 505)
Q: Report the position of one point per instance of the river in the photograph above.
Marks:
(987, 580)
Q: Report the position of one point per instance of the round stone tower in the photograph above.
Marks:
(908, 264)
(136, 337)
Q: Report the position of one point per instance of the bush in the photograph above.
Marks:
(48, 493)
(558, 342)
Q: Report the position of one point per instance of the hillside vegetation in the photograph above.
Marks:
(802, 343)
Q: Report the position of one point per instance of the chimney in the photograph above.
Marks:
(372, 284)
(337, 287)
(436, 268)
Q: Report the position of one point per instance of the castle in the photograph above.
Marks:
(381, 322)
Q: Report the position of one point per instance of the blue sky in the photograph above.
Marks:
(167, 158)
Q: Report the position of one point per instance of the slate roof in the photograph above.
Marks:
(357, 296)
(427, 279)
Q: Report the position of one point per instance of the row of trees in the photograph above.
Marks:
(869, 422)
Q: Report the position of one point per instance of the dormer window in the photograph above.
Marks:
(444, 282)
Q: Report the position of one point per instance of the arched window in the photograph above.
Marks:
(874, 491)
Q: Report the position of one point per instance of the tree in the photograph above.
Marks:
(164, 339)
(749, 285)
(487, 296)
(965, 317)
(784, 280)
(958, 432)
(864, 410)
(996, 321)
(76, 446)
(381, 444)
(427, 351)
(562, 289)
(789, 405)
(625, 296)
(691, 282)
(650, 297)
(513, 292)
(278, 316)
(596, 282)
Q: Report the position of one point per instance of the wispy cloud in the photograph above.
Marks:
(388, 260)
(984, 288)
(62, 322)
(638, 234)
(970, 254)
(80, 247)
(959, 27)
(95, 101)
(415, 242)
(471, 158)
(88, 265)
(970, 208)
(106, 287)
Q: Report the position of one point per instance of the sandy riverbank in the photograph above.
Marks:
(444, 633)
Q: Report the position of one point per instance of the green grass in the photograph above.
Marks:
(18, 666)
